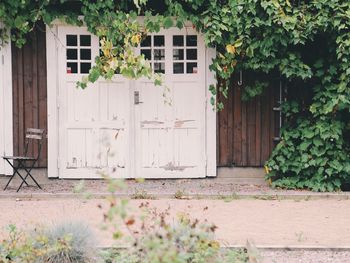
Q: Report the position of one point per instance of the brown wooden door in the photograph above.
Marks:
(29, 91)
(246, 129)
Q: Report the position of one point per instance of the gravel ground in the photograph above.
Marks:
(153, 187)
(267, 223)
(305, 256)
(213, 186)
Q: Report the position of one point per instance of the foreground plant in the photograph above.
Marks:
(63, 243)
(152, 237)
(75, 239)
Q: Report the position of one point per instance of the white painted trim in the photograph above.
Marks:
(52, 97)
(6, 114)
(210, 117)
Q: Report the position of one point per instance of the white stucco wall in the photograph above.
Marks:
(6, 134)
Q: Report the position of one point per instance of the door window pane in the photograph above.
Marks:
(191, 68)
(85, 54)
(191, 54)
(72, 53)
(178, 54)
(146, 53)
(146, 42)
(159, 41)
(178, 41)
(191, 40)
(85, 40)
(159, 54)
(85, 67)
(72, 68)
(72, 40)
(159, 67)
(178, 68)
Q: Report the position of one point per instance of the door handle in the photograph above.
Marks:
(137, 98)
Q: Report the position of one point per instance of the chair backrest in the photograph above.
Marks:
(33, 135)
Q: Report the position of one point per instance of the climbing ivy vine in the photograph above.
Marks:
(304, 43)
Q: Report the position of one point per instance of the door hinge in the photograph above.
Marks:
(58, 163)
(2, 59)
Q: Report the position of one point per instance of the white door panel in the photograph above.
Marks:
(170, 139)
(94, 123)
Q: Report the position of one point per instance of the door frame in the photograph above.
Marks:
(6, 111)
(53, 46)
(52, 61)
(210, 116)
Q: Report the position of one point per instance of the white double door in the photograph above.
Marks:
(124, 126)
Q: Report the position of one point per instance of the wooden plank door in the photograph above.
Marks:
(93, 123)
(170, 139)
(247, 128)
(29, 92)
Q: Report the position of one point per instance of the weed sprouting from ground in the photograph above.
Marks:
(229, 198)
(141, 194)
(179, 194)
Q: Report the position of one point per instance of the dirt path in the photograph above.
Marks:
(267, 223)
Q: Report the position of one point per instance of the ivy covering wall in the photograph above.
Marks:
(305, 43)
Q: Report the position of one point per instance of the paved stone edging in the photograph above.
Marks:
(226, 197)
(270, 247)
(294, 248)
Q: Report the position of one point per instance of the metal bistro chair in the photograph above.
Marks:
(20, 162)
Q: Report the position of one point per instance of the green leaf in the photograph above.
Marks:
(94, 74)
(308, 134)
(238, 43)
(304, 145)
(317, 142)
(168, 22)
(179, 24)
